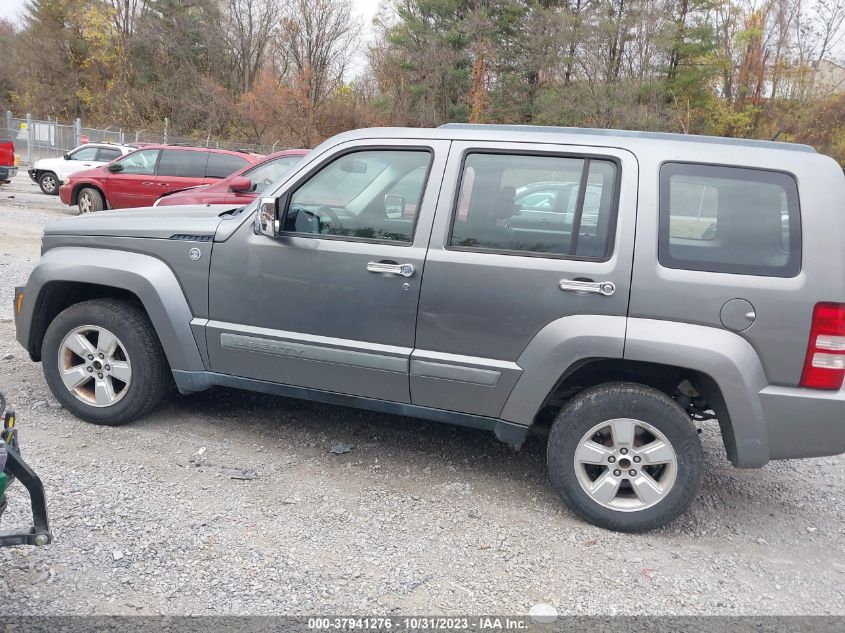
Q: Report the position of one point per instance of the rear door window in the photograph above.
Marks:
(184, 163)
(729, 220)
(557, 206)
(223, 165)
(107, 154)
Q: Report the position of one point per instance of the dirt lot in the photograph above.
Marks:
(416, 518)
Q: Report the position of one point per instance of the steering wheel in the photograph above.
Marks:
(329, 212)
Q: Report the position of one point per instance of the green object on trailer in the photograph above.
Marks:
(3, 480)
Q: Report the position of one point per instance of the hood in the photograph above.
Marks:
(150, 222)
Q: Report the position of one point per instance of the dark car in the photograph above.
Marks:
(142, 177)
(242, 187)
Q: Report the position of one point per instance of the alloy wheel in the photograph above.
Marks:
(94, 366)
(625, 465)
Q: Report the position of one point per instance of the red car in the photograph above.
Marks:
(7, 162)
(142, 177)
(242, 187)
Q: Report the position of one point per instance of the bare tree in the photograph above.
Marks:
(316, 43)
(831, 17)
(248, 31)
(125, 14)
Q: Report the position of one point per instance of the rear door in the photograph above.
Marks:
(221, 166)
(134, 186)
(179, 169)
(496, 274)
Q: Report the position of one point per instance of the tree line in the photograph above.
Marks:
(298, 71)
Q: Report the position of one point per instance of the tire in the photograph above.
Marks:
(49, 183)
(605, 477)
(138, 374)
(90, 200)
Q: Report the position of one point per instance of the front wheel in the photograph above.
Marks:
(103, 361)
(90, 200)
(625, 457)
(49, 183)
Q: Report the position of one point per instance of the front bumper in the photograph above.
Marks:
(7, 173)
(804, 422)
(65, 193)
(32, 172)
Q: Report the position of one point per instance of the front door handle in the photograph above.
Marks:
(389, 268)
(605, 288)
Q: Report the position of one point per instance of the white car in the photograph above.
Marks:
(50, 173)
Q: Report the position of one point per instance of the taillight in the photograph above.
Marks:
(824, 367)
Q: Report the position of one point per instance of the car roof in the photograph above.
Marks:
(213, 150)
(633, 134)
(625, 139)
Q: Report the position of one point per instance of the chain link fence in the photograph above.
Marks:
(35, 139)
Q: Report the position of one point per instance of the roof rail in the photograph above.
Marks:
(658, 136)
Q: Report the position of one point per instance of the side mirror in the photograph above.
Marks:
(394, 206)
(240, 184)
(66, 156)
(114, 167)
(270, 216)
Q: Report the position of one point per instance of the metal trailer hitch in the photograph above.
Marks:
(14, 467)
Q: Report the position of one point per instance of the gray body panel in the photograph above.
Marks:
(491, 305)
(476, 338)
(148, 278)
(783, 306)
(152, 222)
(318, 292)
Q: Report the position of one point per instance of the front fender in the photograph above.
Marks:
(148, 278)
(727, 358)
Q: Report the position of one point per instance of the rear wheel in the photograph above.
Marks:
(90, 200)
(625, 457)
(103, 361)
(49, 183)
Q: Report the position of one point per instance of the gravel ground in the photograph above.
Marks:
(416, 518)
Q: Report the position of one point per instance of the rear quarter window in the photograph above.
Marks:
(223, 165)
(729, 220)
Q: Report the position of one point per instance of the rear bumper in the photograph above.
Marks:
(8, 172)
(804, 422)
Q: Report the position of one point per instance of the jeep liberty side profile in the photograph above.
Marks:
(620, 287)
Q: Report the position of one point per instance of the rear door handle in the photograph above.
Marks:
(148, 184)
(605, 288)
(389, 268)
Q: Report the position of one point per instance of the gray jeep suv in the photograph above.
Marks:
(410, 271)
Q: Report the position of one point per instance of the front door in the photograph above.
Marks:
(135, 185)
(526, 234)
(331, 304)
